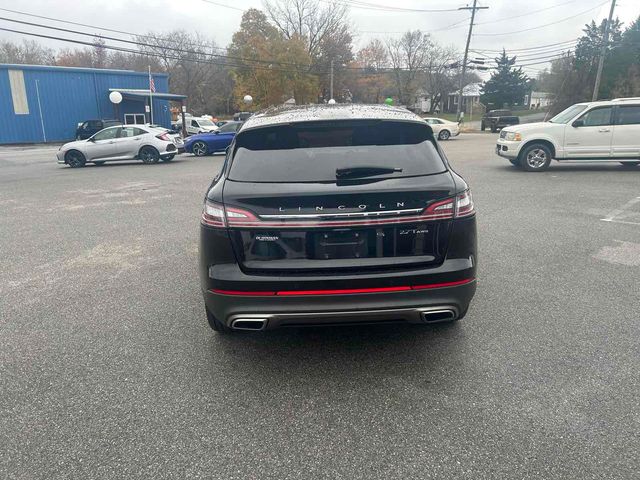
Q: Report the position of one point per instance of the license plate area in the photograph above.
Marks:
(336, 244)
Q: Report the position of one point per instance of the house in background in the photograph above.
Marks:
(470, 99)
(539, 100)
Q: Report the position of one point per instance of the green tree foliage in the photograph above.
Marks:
(508, 85)
(270, 67)
(572, 77)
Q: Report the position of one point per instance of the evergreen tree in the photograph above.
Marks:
(508, 85)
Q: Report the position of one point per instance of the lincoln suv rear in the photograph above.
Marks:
(326, 215)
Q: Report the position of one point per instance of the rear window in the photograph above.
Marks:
(312, 152)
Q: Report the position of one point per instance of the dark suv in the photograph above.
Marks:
(89, 128)
(338, 214)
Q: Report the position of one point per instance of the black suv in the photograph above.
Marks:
(336, 214)
(90, 127)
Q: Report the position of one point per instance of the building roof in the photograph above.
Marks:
(144, 93)
(317, 113)
(14, 66)
(470, 90)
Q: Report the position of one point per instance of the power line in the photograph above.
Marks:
(223, 5)
(529, 48)
(94, 26)
(541, 26)
(358, 4)
(142, 44)
(158, 55)
(528, 14)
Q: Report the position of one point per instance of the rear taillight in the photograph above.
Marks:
(464, 204)
(164, 136)
(216, 215)
(440, 210)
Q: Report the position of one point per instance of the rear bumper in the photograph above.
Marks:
(366, 308)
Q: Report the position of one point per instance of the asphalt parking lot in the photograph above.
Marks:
(109, 369)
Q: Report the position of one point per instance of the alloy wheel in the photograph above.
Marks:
(536, 158)
(199, 149)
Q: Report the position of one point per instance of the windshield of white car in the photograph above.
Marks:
(205, 122)
(568, 114)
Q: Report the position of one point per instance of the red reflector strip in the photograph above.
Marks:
(242, 292)
(441, 285)
(347, 291)
(343, 291)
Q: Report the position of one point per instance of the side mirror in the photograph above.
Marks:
(578, 123)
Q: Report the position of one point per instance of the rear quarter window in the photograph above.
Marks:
(312, 152)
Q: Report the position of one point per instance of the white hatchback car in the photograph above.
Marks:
(443, 129)
(596, 131)
(125, 142)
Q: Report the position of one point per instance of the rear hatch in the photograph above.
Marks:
(339, 197)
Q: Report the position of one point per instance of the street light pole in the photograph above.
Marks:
(603, 51)
(331, 82)
(466, 53)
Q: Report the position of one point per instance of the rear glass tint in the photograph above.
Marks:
(312, 152)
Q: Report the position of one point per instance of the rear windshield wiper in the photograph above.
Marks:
(359, 172)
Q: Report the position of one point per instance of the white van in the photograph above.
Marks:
(197, 125)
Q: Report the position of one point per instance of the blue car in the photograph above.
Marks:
(211, 142)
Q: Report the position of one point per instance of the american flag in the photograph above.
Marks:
(152, 85)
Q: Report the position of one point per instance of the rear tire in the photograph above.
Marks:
(75, 159)
(149, 155)
(630, 164)
(494, 129)
(444, 135)
(535, 158)
(482, 127)
(168, 158)
(216, 324)
(200, 149)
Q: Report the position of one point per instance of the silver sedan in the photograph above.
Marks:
(125, 142)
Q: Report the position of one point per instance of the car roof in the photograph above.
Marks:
(317, 113)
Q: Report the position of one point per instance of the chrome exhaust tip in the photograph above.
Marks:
(435, 316)
(253, 324)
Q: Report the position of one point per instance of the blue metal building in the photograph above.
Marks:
(46, 103)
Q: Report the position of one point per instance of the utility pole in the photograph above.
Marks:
(603, 51)
(466, 52)
(331, 82)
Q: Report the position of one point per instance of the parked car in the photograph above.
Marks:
(127, 142)
(585, 132)
(175, 135)
(334, 214)
(195, 125)
(443, 129)
(209, 143)
(241, 116)
(88, 128)
(497, 119)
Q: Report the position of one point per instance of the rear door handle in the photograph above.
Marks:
(604, 130)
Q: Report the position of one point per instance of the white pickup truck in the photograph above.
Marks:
(606, 131)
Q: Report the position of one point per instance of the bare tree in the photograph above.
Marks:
(409, 57)
(308, 19)
(373, 56)
(28, 52)
(439, 76)
(194, 67)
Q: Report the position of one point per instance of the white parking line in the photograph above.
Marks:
(619, 211)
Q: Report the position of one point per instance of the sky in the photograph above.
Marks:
(512, 24)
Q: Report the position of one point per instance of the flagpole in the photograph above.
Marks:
(150, 96)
